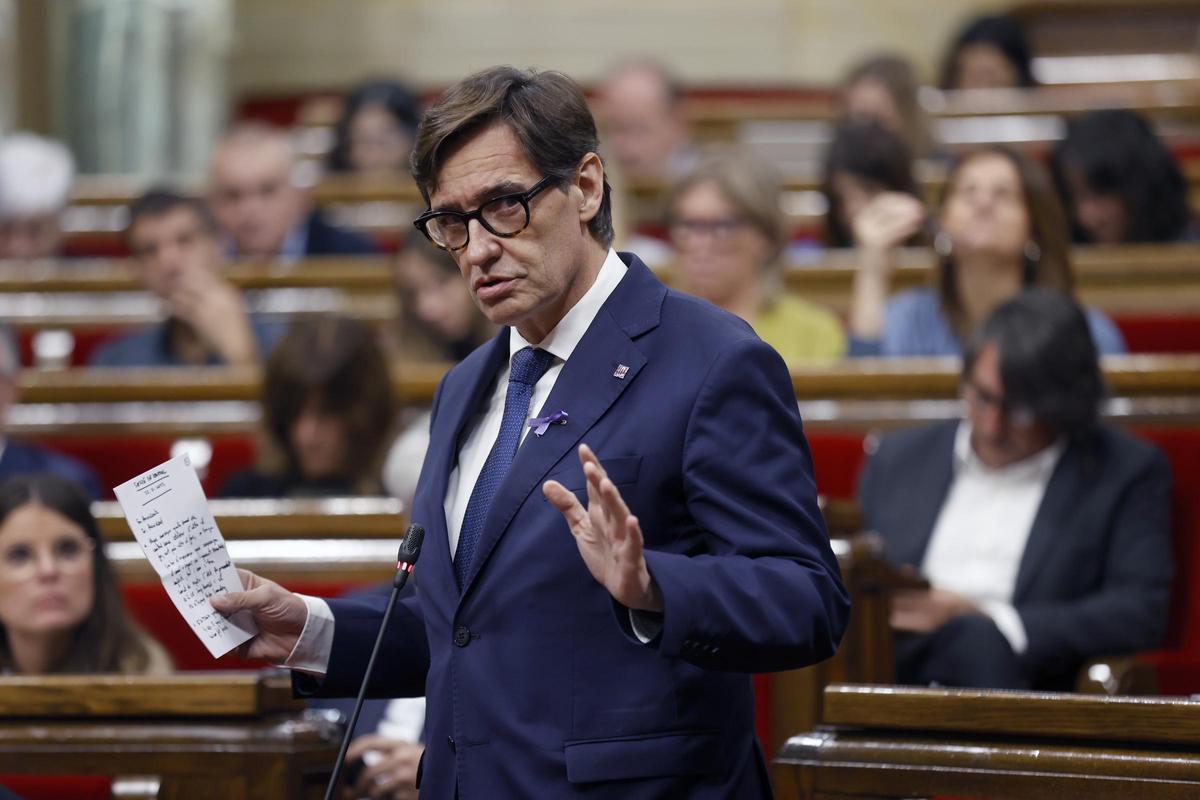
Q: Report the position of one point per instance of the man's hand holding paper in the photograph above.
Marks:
(169, 516)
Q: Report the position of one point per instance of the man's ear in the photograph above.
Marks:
(590, 182)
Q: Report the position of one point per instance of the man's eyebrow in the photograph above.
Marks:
(490, 193)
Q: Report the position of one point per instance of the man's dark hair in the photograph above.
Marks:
(1116, 152)
(872, 153)
(1048, 361)
(161, 200)
(1000, 31)
(547, 112)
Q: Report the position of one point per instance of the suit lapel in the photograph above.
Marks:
(457, 410)
(586, 388)
(1062, 495)
(925, 502)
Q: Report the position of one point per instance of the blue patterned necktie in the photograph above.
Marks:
(528, 366)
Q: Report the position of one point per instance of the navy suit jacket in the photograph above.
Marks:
(23, 459)
(536, 685)
(1095, 575)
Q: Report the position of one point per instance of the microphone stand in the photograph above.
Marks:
(410, 548)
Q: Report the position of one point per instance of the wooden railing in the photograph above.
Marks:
(202, 735)
(900, 742)
(414, 383)
(1151, 279)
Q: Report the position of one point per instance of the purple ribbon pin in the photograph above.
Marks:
(541, 424)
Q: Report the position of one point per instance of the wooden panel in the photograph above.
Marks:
(368, 273)
(1134, 719)
(414, 383)
(893, 742)
(1156, 279)
(340, 518)
(237, 736)
(211, 694)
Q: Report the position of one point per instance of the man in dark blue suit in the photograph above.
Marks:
(262, 209)
(1044, 533)
(598, 581)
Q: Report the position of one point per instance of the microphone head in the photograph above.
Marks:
(410, 547)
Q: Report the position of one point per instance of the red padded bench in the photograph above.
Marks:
(116, 459)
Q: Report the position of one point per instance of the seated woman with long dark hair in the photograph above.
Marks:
(327, 412)
(60, 607)
(864, 160)
(1000, 229)
(1118, 182)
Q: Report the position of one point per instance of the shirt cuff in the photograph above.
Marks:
(1008, 620)
(646, 625)
(311, 653)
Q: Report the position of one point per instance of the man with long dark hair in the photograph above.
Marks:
(1042, 531)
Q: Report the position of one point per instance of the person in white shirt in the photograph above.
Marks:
(1043, 533)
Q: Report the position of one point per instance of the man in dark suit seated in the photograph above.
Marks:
(17, 458)
(178, 258)
(1043, 533)
(263, 208)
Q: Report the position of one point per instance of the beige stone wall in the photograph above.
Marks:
(288, 45)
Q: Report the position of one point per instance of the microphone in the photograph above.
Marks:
(406, 558)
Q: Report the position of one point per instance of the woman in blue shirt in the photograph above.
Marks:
(1000, 229)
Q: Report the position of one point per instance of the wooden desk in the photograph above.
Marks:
(345, 540)
(1147, 279)
(414, 383)
(362, 273)
(236, 736)
(896, 742)
(325, 518)
(1151, 279)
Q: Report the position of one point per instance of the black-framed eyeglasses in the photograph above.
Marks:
(504, 216)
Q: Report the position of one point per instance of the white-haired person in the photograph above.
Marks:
(36, 175)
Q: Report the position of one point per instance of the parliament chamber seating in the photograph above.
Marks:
(1152, 292)
(844, 406)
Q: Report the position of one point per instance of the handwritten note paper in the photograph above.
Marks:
(170, 519)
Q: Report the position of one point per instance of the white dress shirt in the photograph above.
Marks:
(980, 535)
(483, 430)
(311, 653)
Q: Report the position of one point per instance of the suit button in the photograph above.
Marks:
(462, 636)
(450, 741)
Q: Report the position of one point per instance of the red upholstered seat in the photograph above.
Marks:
(1177, 665)
(118, 458)
(58, 787)
(1160, 333)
